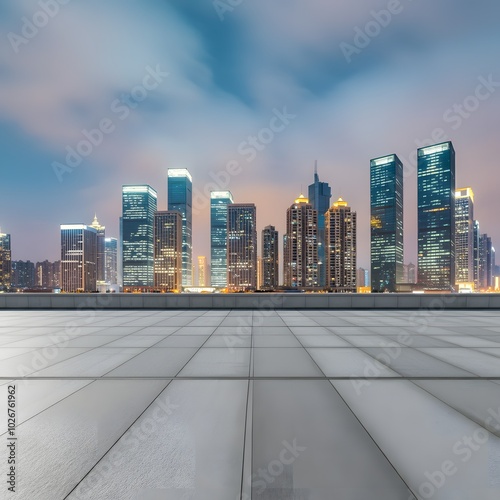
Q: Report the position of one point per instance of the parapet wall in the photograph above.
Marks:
(249, 301)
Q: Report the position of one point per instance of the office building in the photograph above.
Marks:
(341, 252)
(5, 262)
(78, 258)
(101, 250)
(270, 261)
(203, 271)
(23, 274)
(476, 239)
(168, 251)
(320, 195)
(386, 222)
(219, 201)
(111, 261)
(48, 274)
(464, 237)
(139, 204)
(363, 277)
(241, 247)
(436, 217)
(409, 273)
(180, 199)
(300, 245)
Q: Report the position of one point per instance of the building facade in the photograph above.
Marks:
(300, 245)
(139, 204)
(48, 274)
(23, 274)
(203, 271)
(78, 258)
(180, 199)
(341, 248)
(111, 261)
(241, 247)
(320, 195)
(476, 239)
(436, 217)
(101, 250)
(168, 251)
(219, 201)
(386, 222)
(5, 262)
(464, 236)
(270, 260)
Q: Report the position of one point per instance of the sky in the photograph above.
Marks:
(188, 83)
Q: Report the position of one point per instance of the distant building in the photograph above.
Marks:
(5, 262)
(270, 261)
(341, 247)
(363, 277)
(78, 258)
(101, 250)
(486, 263)
(168, 251)
(139, 204)
(300, 245)
(476, 239)
(219, 201)
(111, 261)
(241, 247)
(23, 274)
(386, 202)
(410, 273)
(48, 274)
(203, 271)
(320, 195)
(436, 217)
(464, 236)
(180, 199)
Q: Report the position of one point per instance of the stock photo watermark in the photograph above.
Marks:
(121, 109)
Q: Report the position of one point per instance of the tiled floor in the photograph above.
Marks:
(282, 405)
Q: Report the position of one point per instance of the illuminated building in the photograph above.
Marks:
(203, 271)
(78, 258)
(168, 251)
(340, 231)
(241, 247)
(139, 206)
(436, 217)
(111, 261)
(300, 245)
(464, 236)
(386, 202)
(180, 199)
(5, 262)
(101, 250)
(270, 261)
(219, 201)
(320, 195)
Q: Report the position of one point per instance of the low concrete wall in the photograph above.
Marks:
(249, 301)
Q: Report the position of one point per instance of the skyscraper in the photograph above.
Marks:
(48, 274)
(300, 245)
(270, 261)
(23, 274)
(436, 216)
(386, 202)
(5, 262)
(486, 262)
(168, 251)
(111, 261)
(241, 247)
(78, 258)
(219, 201)
(341, 247)
(476, 257)
(180, 199)
(320, 195)
(101, 250)
(139, 206)
(203, 271)
(464, 236)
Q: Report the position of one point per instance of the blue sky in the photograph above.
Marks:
(225, 80)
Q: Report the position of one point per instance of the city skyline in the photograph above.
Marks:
(343, 112)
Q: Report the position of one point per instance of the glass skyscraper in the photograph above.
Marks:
(5, 262)
(464, 236)
(270, 262)
(111, 261)
(386, 222)
(219, 201)
(436, 216)
(320, 195)
(241, 247)
(101, 250)
(168, 251)
(139, 206)
(180, 199)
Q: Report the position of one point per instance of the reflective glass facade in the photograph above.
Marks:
(111, 259)
(386, 202)
(219, 200)
(139, 207)
(168, 251)
(180, 199)
(436, 217)
(320, 194)
(464, 236)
